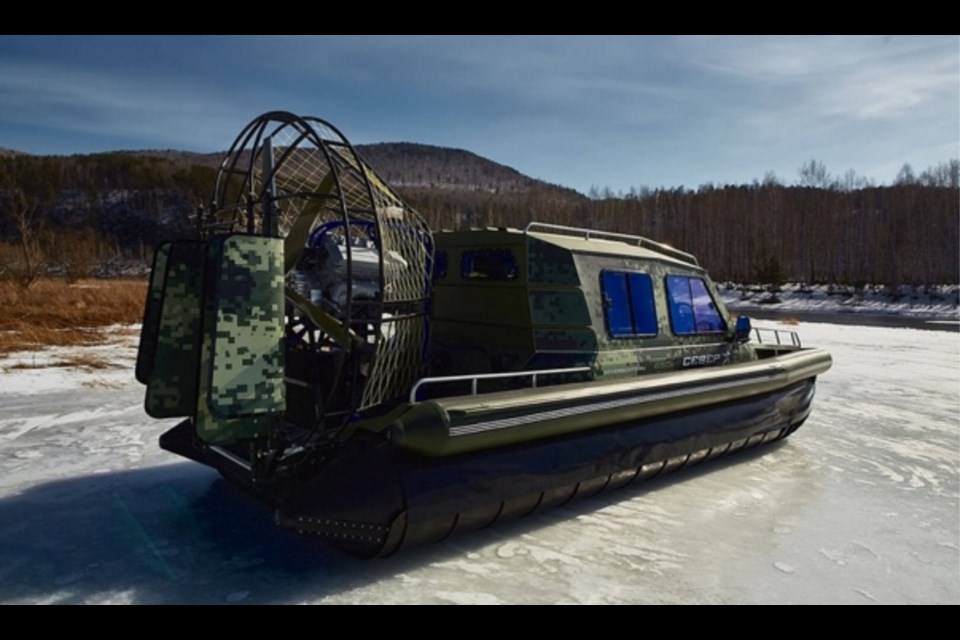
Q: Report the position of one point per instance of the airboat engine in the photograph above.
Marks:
(322, 274)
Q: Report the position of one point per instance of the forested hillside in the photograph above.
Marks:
(81, 214)
(898, 234)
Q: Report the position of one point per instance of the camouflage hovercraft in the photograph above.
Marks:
(381, 385)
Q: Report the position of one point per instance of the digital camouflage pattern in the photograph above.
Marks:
(172, 382)
(247, 373)
(550, 264)
(242, 387)
(554, 308)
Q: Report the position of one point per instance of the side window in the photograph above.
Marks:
(488, 264)
(616, 302)
(641, 301)
(681, 306)
(628, 304)
(692, 310)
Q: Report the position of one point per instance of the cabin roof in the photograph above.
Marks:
(576, 240)
(608, 247)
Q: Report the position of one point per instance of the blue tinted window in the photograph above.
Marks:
(704, 310)
(617, 303)
(628, 304)
(641, 298)
(692, 310)
(681, 304)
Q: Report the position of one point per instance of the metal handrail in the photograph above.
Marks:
(640, 240)
(779, 335)
(490, 376)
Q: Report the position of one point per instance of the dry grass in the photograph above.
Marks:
(85, 361)
(25, 365)
(788, 321)
(53, 313)
(80, 360)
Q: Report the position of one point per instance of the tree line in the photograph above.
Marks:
(72, 215)
(822, 230)
(95, 214)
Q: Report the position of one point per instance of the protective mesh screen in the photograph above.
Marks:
(316, 179)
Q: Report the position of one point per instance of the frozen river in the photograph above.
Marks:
(861, 505)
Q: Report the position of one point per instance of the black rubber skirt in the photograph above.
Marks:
(374, 498)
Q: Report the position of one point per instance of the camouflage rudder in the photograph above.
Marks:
(147, 350)
(242, 386)
(172, 384)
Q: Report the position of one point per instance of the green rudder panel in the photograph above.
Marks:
(172, 324)
(147, 350)
(242, 384)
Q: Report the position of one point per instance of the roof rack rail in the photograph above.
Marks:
(639, 240)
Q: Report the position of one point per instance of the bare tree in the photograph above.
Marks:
(905, 176)
(814, 174)
(23, 259)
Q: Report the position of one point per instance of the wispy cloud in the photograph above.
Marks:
(80, 101)
(856, 76)
(615, 111)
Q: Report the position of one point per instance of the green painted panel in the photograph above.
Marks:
(147, 350)
(172, 378)
(550, 264)
(559, 308)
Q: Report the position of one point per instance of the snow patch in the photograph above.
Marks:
(467, 597)
(937, 303)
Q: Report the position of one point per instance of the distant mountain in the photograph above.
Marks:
(408, 164)
(175, 156)
(5, 153)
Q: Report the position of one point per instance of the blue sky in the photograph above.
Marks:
(577, 111)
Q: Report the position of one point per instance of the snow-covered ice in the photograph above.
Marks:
(861, 505)
(936, 303)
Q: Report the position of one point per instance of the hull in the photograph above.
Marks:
(376, 497)
(465, 424)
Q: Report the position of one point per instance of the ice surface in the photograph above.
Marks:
(859, 506)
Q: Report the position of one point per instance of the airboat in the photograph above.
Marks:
(380, 384)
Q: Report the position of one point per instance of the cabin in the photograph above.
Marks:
(557, 297)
